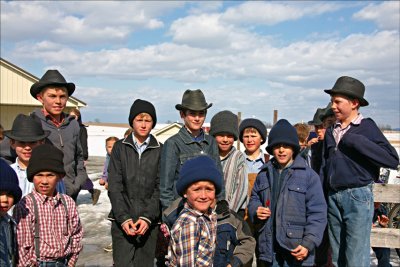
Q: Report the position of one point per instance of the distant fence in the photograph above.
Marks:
(386, 237)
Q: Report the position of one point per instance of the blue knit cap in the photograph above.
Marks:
(201, 168)
(9, 181)
(283, 133)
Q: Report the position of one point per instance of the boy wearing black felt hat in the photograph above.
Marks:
(355, 149)
(53, 91)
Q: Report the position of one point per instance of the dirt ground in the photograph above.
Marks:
(97, 227)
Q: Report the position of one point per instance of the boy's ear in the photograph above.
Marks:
(39, 97)
(12, 143)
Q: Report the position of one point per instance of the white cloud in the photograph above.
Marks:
(270, 13)
(386, 15)
(87, 22)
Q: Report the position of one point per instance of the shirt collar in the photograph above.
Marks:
(43, 198)
(52, 119)
(136, 143)
(356, 121)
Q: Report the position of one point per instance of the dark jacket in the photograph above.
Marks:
(356, 160)
(300, 213)
(83, 137)
(235, 244)
(66, 138)
(134, 181)
(177, 149)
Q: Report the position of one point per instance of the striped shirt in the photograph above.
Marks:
(338, 132)
(60, 235)
(193, 239)
(236, 184)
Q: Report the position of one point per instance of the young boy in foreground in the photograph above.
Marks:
(287, 203)
(49, 231)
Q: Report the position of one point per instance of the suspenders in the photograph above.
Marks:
(37, 227)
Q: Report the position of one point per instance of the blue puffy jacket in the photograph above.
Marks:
(300, 214)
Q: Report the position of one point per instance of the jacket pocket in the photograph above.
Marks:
(294, 236)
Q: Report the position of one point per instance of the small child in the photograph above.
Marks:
(287, 203)
(194, 233)
(110, 141)
(49, 231)
(10, 194)
(26, 134)
(303, 131)
(382, 221)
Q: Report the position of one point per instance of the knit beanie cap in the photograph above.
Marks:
(253, 123)
(201, 168)
(142, 106)
(45, 157)
(283, 133)
(224, 122)
(9, 181)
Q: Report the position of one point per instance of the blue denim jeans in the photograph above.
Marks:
(350, 213)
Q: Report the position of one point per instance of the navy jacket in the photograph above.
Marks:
(300, 214)
(356, 160)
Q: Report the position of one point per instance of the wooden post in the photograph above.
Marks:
(239, 115)
(275, 119)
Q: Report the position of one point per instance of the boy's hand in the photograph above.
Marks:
(312, 141)
(102, 182)
(263, 213)
(106, 186)
(142, 226)
(383, 221)
(129, 228)
(300, 253)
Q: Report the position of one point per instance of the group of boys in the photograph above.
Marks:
(201, 184)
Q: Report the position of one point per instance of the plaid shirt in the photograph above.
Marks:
(193, 239)
(60, 235)
(52, 119)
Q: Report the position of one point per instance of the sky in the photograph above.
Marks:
(248, 57)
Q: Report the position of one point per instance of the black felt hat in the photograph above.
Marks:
(52, 77)
(317, 117)
(26, 129)
(351, 87)
(193, 100)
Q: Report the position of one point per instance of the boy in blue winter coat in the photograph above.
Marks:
(354, 150)
(287, 204)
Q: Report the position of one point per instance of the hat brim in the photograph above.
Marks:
(314, 122)
(363, 102)
(195, 108)
(36, 88)
(28, 138)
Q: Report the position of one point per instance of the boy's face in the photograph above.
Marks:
(320, 130)
(45, 182)
(200, 195)
(283, 154)
(24, 149)
(251, 140)
(225, 142)
(193, 119)
(142, 125)
(6, 202)
(343, 107)
(109, 146)
(53, 99)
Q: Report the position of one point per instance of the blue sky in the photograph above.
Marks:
(252, 57)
